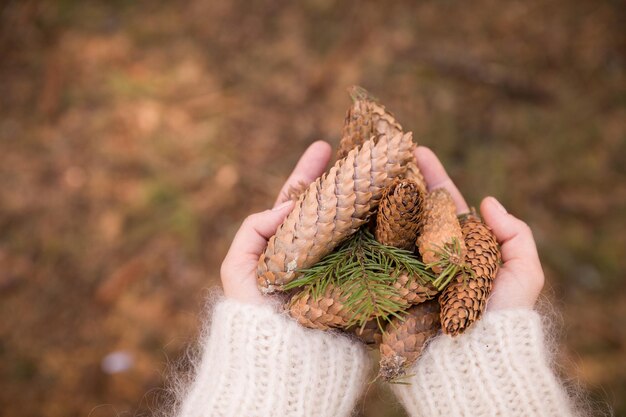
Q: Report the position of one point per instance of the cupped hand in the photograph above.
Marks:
(520, 278)
(238, 271)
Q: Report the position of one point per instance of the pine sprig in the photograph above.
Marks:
(450, 263)
(365, 271)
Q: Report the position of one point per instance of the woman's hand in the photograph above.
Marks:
(520, 278)
(238, 271)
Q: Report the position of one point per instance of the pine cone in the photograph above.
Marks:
(365, 119)
(464, 299)
(399, 214)
(403, 341)
(440, 227)
(414, 173)
(397, 224)
(326, 311)
(329, 310)
(413, 291)
(370, 334)
(333, 208)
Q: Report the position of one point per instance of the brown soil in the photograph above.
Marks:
(135, 136)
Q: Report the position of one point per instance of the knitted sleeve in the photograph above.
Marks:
(500, 367)
(257, 362)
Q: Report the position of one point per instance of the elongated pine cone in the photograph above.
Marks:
(440, 228)
(326, 311)
(464, 299)
(365, 119)
(399, 214)
(413, 173)
(333, 208)
(403, 341)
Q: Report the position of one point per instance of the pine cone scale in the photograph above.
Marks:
(412, 291)
(414, 174)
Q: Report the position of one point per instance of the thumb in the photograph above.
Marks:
(520, 278)
(238, 269)
(257, 228)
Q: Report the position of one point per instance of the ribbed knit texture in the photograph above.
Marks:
(257, 362)
(499, 367)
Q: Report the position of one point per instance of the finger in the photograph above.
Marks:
(257, 228)
(437, 177)
(239, 266)
(515, 237)
(310, 166)
(520, 278)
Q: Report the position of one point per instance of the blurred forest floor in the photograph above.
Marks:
(135, 136)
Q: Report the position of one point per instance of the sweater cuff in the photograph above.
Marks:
(257, 362)
(498, 367)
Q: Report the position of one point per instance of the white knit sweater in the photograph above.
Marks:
(499, 367)
(257, 362)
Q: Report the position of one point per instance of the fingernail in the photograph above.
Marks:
(282, 205)
(498, 205)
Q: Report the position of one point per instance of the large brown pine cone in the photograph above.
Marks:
(399, 214)
(332, 208)
(464, 299)
(404, 340)
(440, 228)
(365, 119)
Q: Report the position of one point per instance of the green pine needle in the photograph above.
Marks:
(365, 271)
(450, 262)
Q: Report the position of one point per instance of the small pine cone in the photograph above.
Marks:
(399, 214)
(440, 227)
(332, 208)
(370, 334)
(413, 291)
(464, 299)
(364, 120)
(403, 341)
(323, 312)
(414, 173)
